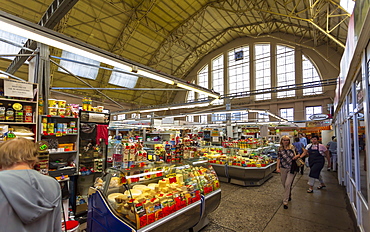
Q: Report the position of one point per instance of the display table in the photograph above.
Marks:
(245, 176)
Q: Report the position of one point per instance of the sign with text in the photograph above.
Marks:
(318, 117)
(18, 89)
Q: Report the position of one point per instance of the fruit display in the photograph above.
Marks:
(244, 157)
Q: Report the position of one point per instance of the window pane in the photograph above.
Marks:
(285, 70)
(203, 80)
(190, 95)
(122, 79)
(262, 68)
(262, 117)
(310, 74)
(203, 119)
(310, 110)
(190, 118)
(79, 69)
(287, 114)
(218, 77)
(238, 68)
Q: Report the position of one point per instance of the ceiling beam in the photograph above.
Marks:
(139, 13)
(56, 11)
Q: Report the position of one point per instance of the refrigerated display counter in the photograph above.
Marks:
(154, 197)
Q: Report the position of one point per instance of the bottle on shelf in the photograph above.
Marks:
(9, 113)
(2, 112)
(18, 112)
(10, 134)
(40, 106)
(1, 134)
(117, 155)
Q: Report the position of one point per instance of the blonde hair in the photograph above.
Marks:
(290, 146)
(17, 150)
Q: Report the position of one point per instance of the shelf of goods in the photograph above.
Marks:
(154, 196)
(243, 166)
(18, 108)
(158, 136)
(93, 140)
(61, 134)
(172, 152)
(92, 153)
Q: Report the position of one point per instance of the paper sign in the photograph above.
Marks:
(18, 89)
(96, 117)
(215, 139)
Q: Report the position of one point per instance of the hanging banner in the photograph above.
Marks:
(18, 89)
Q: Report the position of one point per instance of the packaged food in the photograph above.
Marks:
(53, 111)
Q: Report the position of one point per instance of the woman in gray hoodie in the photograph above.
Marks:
(29, 201)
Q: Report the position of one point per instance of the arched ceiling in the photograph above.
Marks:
(172, 36)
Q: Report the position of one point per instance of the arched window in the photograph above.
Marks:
(203, 80)
(262, 69)
(285, 73)
(238, 67)
(310, 76)
(259, 57)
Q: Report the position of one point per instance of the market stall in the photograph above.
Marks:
(154, 197)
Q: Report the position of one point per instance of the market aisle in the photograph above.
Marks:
(260, 208)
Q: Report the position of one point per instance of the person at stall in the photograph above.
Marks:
(332, 147)
(300, 148)
(302, 139)
(29, 201)
(316, 153)
(287, 167)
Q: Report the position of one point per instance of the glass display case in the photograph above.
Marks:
(244, 166)
(154, 196)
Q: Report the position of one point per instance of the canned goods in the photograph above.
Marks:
(28, 117)
(61, 111)
(50, 128)
(53, 111)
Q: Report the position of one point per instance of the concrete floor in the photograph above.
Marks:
(261, 209)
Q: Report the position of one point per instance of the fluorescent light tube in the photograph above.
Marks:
(45, 40)
(152, 110)
(197, 90)
(188, 106)
(154, 77)
(257, 111)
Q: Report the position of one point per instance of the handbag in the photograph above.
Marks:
(299, 162)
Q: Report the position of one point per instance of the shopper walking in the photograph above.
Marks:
(332, 147)
(29, 201)
(316, 153)
(300, 148)
(302, 139)
(287, 167)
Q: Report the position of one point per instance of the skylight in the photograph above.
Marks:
(79, 69)
(123, 79)
(348, 5)
(6, 48)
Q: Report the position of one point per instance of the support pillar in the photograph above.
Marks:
(39, 72)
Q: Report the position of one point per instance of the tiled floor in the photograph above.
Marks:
(260, 208)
